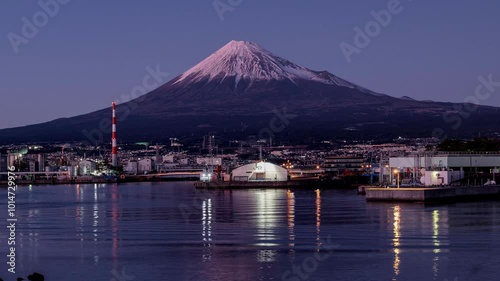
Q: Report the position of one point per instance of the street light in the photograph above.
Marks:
(396, 172)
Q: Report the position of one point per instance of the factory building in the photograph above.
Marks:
(145, 165)
(344, 164)
(11, 159)
(443, 169)
(32, 166)
(165, 167)
(213, 161)
(182, 159)
(170, 158)
(3, 163)
(86, 167)
(261, 171)
(41, 162)
(132, 167)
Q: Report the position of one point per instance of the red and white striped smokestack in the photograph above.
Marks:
(114, 158)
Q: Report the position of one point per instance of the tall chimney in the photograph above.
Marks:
(114, 159)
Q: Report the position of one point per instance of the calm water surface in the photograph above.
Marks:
(169, 231)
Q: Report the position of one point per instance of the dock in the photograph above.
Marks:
(432, 194)
(261, 184)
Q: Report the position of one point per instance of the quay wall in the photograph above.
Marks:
(431, 194)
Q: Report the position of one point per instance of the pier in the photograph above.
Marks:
(262, 184)
(431, 194)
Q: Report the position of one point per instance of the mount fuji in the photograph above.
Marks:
(247, 61)
(243, 89)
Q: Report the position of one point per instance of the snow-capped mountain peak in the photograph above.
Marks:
(247, 60)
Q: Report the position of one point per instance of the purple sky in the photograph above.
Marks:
(91, 52)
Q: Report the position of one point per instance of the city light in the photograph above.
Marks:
(206, 177)
(396, 172)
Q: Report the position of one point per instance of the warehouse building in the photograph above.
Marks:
(443, 169)
(261, 171)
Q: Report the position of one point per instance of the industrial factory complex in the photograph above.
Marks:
(361, 164)
(403, 162)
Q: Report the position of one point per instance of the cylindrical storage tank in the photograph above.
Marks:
(72, 172)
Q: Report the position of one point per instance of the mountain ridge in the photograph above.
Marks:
(242, 83)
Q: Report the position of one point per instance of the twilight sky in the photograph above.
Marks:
(91, 52)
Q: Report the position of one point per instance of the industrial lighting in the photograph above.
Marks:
(396, 172)
(206, 177)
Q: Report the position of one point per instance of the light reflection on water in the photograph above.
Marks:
(86, 232)
(396, 241)
(318, 219)
(207, 229)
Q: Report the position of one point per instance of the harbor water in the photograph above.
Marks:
(170, 231)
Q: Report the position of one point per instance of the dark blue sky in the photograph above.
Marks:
(91, 52)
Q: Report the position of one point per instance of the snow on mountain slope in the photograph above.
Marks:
(247, 60)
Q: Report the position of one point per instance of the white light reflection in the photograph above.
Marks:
(396, 240)
(435, 228)
(318, 219)
(435, 242)
(79, 217)
(95, 193)
(267, 222)
(267, 219)
(95, 224)
(290, 204)
(266, 255)
(30, 240)
(207, 229)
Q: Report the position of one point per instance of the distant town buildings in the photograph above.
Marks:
(3, 162)
(407, 161)
(342, 164)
